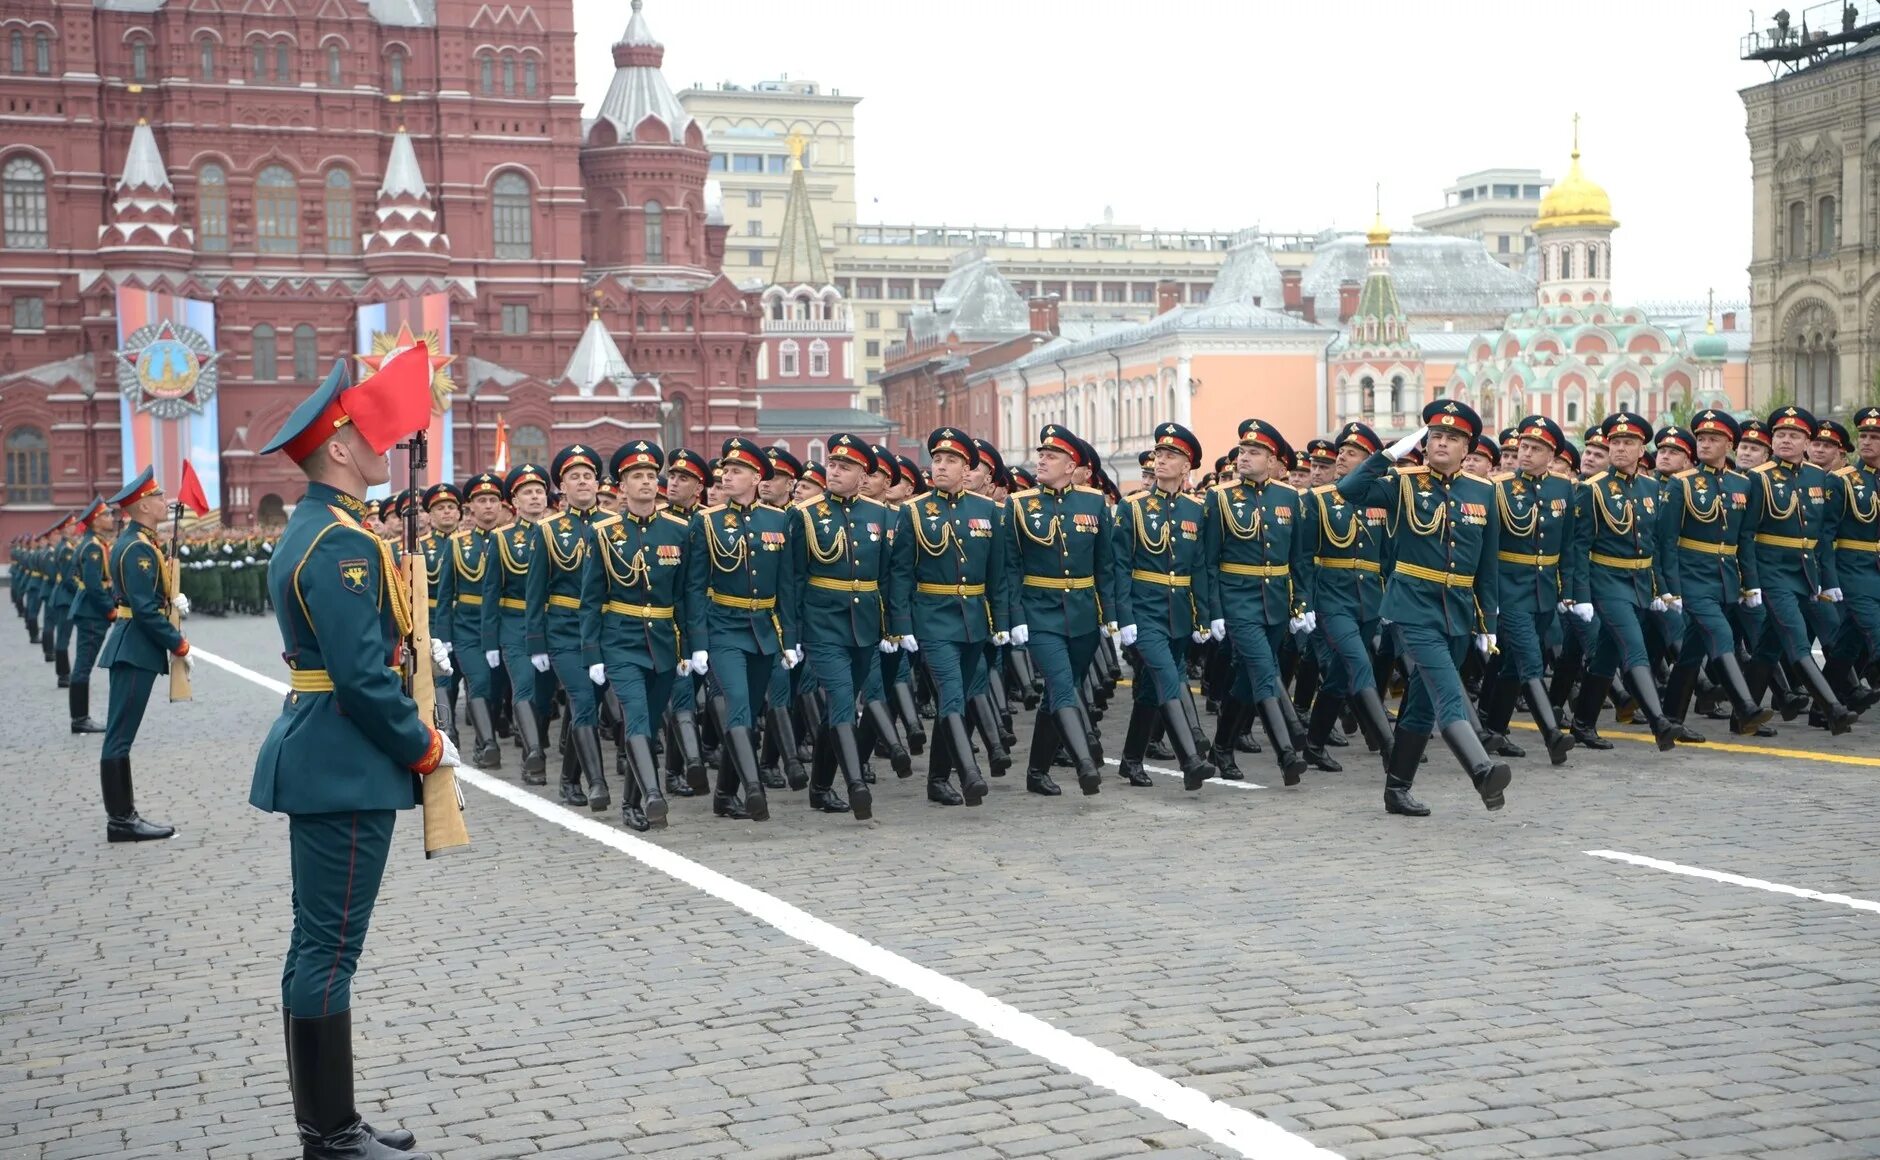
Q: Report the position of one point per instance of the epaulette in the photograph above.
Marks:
(1595, 477)
(342, 516)
(1225, 486)
(1030, 491)
(1092, 490)
(1845, 471)
(1686, 473)
(769, 507)
(1282, 483)
(1502, 476)
(1325, 489)
(1729, 471)
(499, 529)
(680, 520)
(609, 518)
(1765, 466)
(1413, 469)
(461, 534)
(1472, 475)
(705, 511)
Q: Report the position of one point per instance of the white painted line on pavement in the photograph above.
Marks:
(1738, 880)
(1163, 771)
(1228, 1126)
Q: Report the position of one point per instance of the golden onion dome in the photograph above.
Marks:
(1574, 200)
(1379, 233)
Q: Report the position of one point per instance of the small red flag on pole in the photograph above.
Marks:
(502, 445)
(190, 494)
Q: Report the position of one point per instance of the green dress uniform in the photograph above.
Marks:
(469, 553)
(92, 611)
(1445, 587)
(137, 649)
(64, 588)
(505, 626)
(1854, 503)
(1061, 560)
(1789, 532)
(555, 629)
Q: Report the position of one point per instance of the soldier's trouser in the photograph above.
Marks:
(1707, 631)
(781, 686)
(1794, 617)
(1256, 661)
(1621, 640)
(840, 669)
(1344, 654)
(644, 691)
(685, 695)
(467, 656)
(1063, 661)
(583, 705)
(956, 667)
(130, 695)
(537, 688)
(979, 677)
(1166, 660)
(1519, 636)
(62, 621)
(337, 862)
(1433, 695)
(90, 640)
(1860, 629)
(743, 677)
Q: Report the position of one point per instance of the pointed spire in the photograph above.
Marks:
(144, 228)
(1380, 233)
(637, 33)
(402, 175)
(799, 248)
(597, 359)
(639, 89)
(143, 165)
(407, 239)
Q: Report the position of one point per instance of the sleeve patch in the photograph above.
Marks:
(352, 575)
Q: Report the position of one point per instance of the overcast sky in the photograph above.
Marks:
(1217, 114)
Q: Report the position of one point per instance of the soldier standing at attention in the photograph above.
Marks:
(136, 650)
(92, 610)
(506, 620)
(1061, 556)
(347, 752)
(1158, 547)
(435, 544)
(1444, 591)
(468, 553)
(64, 588)
(555, 638)
(740, 547)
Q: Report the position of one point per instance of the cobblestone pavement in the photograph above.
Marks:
(1473, 985)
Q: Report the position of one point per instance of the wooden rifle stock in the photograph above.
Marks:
(444, 828)
(180, 689)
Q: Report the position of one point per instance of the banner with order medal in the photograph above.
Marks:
(384, 328)
(167, 379)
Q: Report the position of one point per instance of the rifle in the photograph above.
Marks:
(180, 689)
(444, 828)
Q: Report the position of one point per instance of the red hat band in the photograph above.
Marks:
(1540, 433)
(744, 457)
(147, 489)
(1180, 444)
(856, 455)
(964, 451)
(302, 446)
(1057, 443)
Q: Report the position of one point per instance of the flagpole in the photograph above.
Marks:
(180, 689)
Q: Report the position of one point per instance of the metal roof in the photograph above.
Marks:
(975, 302)
(1435, 275)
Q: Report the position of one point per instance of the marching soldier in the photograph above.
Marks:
(1540, 578)
(1444, 593)
(1158, 546)
(505, 628)
(347, 752)
(635, 587)
(59, 605)
(1253, 538)
(1854, 503)
(136, 650)
(1061, 557)
(956, 592)
(438, 499)
(92, 610)
(468, 552)
(778, 762)
(556, 639)
(686, 476)
(740, 546)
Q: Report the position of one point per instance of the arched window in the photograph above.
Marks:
(1592, 261)
(272, 512)
(258, 62)
(509, 74)
(395, 71)
(306, 354)
(528, 445)
(1825, 226)
(16, 51)
(334, 73)
(212, 210)
(23, 188)
(339, 212)
(1367, 395)
(29, 466)
(140, 60)
(528, 76)
(1400, 400)
(513, 212)
(816, 451)
(277, 211)
(655, 232)
(261, 358)
(674, 429)
(284, 63)
(486, 73)
(205, 58)
(1798, 229)
(819, 358)
(1566, 262)
(42, 53)
(786, 358)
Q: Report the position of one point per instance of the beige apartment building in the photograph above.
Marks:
(1496, 207)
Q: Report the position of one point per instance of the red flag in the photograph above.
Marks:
(502, 446)
(189, 493)
(391, 404)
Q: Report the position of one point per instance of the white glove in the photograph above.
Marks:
(1486, 642)
(685, 667)
(701, 662)
(1127, 635)
(248, 559)
(1001, 639)
(236, 566)
(1584, 612)
(791, 658)
(597, 673)
(450, 648)
(451, 757)
(1110, 629)
(1659, 605)
(909, 644)
(886, 645)
(1021, 635)
(1833, 595)
(1199, 636)
(180, 602)
(1312, 621)
(1751, 599)
(1217, 629)
(1565, 606)
(539, 661)
(1304, 622)
(440, 657)
(1675, 603)
(189, 664)
(1407, 444)
(493, 658)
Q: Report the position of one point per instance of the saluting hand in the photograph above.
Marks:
(1407, 444)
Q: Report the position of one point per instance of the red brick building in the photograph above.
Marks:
(299, 162)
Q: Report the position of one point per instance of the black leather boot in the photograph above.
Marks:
(742, 756)
(1142, 718)
(1558, 742)
(1847, 687)
(321, 1070)
(1195, 769)
(1226, 726)
(951, 731)
(32, 631)
(1406, 753)
(905, 709)
(646, 777)
(690, 752)
(587, 749)
(1295, 734)
(529, 734)
(986, 720)
(1070, 729)
(1497, 710)
(1746, 712)
(1044, 743)
(726, 802)
(62, 666)
(1374, 722)
(1790, 700)
(882, 732)
(1093, 740)
(1325, 709)
(940, 765)
(1680, 687)
(1586, 709)
(822, 775)
(848, 757)
(1491, 778)
(784, 730)
(1273, 718)
(120, 807)
(390, 1137)
(570, 783)
(769, 757)
(1836, 717)
(1645, 694)
(79, 700)
(488, 753)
